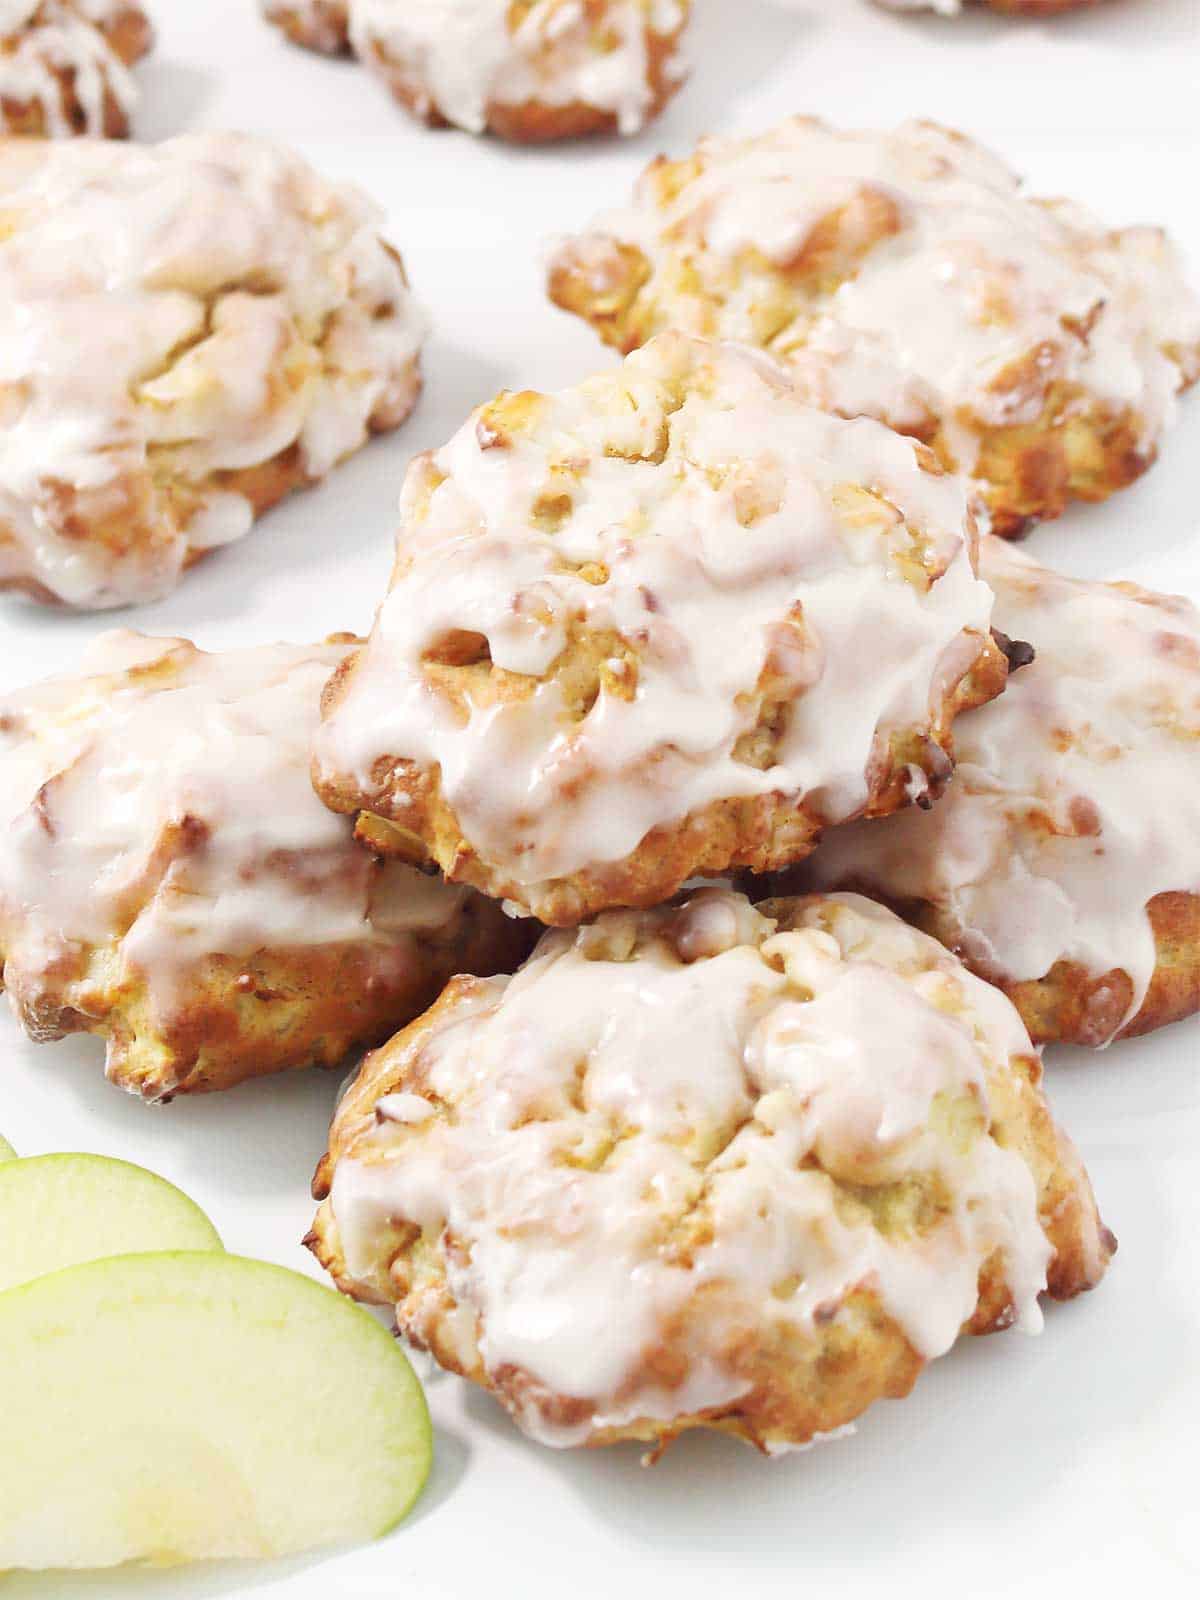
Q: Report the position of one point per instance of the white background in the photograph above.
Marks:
(1031, 1467)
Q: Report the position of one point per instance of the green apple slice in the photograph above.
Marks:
(178, 1405)
(57, 1211)
(7, 1153)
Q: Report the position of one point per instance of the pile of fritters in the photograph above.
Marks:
(742, 1154)
(712, 1158)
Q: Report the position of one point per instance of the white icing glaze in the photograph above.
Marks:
(592, 1103)
(104, 13)
(467, 54)
(41, 37)
(707, 552)
(167, 314)
(160, 802)
(1076, 798)
(978, 301)
(16, 14)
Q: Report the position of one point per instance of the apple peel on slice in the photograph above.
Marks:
(178, 1405)
(57, 1211)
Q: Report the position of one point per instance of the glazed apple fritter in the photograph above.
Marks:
(711, 1165)
(670, 622)
(169, 881)
(188, 331)
(910, 277)
(1064, 862)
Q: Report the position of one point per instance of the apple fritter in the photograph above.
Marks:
(909, 276)
(188, 331)
(1064, 862)
(526, 70)
(671, 622)
(169, 881)
(712, 1165)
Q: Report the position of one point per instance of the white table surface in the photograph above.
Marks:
(1062, 1466)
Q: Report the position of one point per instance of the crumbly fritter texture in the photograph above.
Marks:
(780, 1261)
(669, 623)
(908, 276)
(211, 921)
(273, 1011)
(63, 68)
(232, 327)
(1064, 862)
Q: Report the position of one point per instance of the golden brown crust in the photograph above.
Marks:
(1071, 1006)
(321, 25)
(380, 1073)
(130, 33)
(148, 511)
(411, 819)
(1074, 451)
(285, 1009)
(533, 122)
(28, 118)
(269, 1012)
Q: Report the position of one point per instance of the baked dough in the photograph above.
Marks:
(316, 24)
(1064, 861)
(63, 66)
(187, 332)
(525, 70)
(707, 1166)
(910, 277)
(169, 880)
(667, 623)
